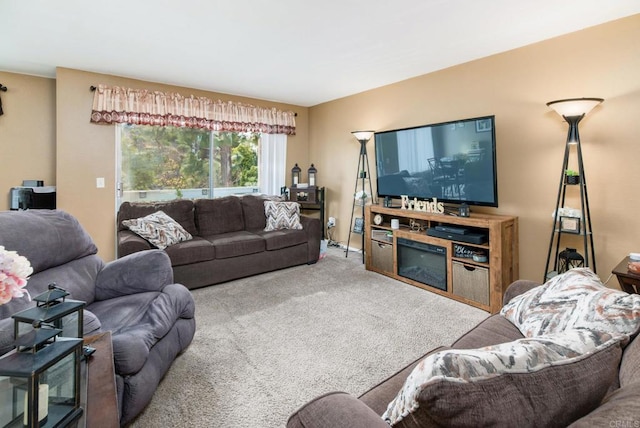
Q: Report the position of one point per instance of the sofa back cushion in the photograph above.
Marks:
(219, 215)
(58, 249)
(181, 210)
(47, 238)
(630, 365)
(253, 211)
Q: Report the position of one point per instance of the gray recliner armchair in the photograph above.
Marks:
(151, 318)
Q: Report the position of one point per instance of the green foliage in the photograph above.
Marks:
(571, 172)
(155, 157)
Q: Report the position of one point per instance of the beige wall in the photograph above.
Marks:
(603, 61)
(27, 132)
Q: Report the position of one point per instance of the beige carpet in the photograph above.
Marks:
(266, 345)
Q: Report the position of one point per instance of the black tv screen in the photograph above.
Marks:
(454, 162)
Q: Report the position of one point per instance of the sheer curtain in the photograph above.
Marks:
(273, 155)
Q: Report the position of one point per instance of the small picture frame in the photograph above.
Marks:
(570, 224)
(358, 225)
(483, 125)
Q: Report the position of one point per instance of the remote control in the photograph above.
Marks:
(88, 351)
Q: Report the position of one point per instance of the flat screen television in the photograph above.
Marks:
(454, 162)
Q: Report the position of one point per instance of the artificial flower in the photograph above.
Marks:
(14, 273)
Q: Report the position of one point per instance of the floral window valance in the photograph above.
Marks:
(142, 107)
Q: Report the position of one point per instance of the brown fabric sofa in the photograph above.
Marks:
(619, 407)
(229, 240)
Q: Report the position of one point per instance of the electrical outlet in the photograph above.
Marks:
(100, 182)
(331, 222)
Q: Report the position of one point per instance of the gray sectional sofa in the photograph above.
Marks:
(598, 390)
(151, 318)
(229, 240)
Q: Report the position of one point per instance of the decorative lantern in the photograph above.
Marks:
(40, 379)
(52, 309)
(312, 175)
(295, 175)
(569, 258)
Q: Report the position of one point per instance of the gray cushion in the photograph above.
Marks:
(219, 215)
(619, 409)
(284, 238)
(236, 244)
(630, 365)
(253, 211)
(335, 410)
(195, 250)
(77, 277)
(142, 319)
(58, 237)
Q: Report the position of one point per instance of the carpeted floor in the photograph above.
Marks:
(265, 345)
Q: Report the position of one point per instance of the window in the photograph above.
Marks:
(163, 163)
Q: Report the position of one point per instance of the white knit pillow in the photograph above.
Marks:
(282, 215)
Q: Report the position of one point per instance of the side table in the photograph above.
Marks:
(101, 408)
(315, 202)
(629, 281)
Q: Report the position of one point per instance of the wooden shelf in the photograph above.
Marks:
(480, 284)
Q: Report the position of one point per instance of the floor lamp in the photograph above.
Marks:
(362, 175)
(572, 110)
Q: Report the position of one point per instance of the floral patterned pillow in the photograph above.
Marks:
(574, 299)
(159, 229)
(282, 215)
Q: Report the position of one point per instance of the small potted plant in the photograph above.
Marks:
(571, 177)
(361, 197)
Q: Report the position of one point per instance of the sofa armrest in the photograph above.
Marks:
(336, 410)
(136, 273)
(129, 243)
(313, 227)
(516, 288)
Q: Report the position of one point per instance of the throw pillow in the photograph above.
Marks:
(574, 299)
(159, 229)
(282, 215)
(544, 381)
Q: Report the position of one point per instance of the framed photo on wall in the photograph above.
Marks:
(483, 125)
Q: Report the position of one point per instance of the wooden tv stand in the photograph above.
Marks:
(475, 282)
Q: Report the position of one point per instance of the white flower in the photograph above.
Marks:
(14, 273)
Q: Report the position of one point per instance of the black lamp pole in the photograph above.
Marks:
(573, 110)
(361, 175)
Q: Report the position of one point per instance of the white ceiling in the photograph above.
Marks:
(293, 51)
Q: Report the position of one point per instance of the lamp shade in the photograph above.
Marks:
(574, 106)
(363, 135)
